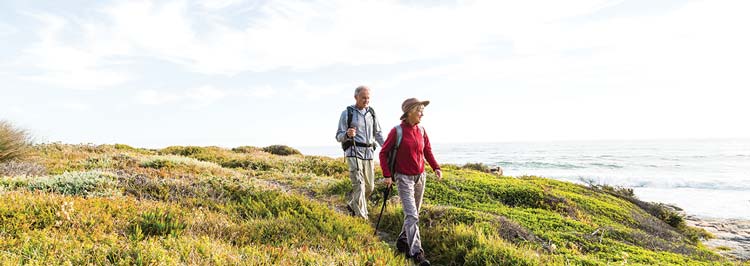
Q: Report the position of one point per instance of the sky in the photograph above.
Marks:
(231, 73)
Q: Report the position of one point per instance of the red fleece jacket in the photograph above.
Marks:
(411, 153)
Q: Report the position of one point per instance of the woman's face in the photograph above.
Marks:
(415, 116)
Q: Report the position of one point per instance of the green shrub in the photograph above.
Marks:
(477, 166)
(124, 147)
(246, 149)
(695, 234)
(171, 161)
(158, 164)
(623, 192)
(340, 187)
(14, 142)
(92, 183)
(97, 162)
(324, 166)
(282, 150)
(20, 215)
(182, 150)
(671, 218)
(664, 212)
(249, 164)
(156, 223)
(498, 252)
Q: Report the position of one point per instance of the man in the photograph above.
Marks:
(358, 132)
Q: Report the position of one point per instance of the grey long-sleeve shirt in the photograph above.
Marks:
(364, 122)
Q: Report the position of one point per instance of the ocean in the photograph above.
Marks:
(708, 178)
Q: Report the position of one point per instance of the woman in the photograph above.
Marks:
(409, 173)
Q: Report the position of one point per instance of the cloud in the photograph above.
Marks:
(12, 109)
(206, 95)
(315, 92)
(542, 64)
(67, 65)
(219, 4)
(154, 97)
(304, 35)
(293, 34)
(6, 29)
(200, 96)
(75, 106)
(262, 92)
(688, 48)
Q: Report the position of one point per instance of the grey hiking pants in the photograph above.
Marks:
(362, 175)
(410, 190)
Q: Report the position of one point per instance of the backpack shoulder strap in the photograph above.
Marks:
(374, 120)
(349, 113)
(399, 136)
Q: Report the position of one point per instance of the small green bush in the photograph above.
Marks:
(324, 166)
(156, 223)
(14, 142)
(282, 150)
(124, 147)
(92, 183)
(249, 164)
(246, 149)
(477, 166)
(86, 184)
(621, 192)
(340, 187)
(171, 161)
(183, 150)
(159, 164)
(695, 234)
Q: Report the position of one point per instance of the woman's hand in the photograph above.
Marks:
(388, 181)
(439, 174)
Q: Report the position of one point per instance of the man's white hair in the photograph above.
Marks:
(360, 89)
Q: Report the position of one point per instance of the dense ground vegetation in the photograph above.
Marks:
(115, 204)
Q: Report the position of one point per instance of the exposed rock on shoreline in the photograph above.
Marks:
(732, 235)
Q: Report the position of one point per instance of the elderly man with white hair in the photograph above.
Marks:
(359, 132)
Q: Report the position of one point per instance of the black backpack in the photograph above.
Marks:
(349, 113)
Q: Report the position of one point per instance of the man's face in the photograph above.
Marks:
(363, 99)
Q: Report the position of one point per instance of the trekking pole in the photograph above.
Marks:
(355, 152)
(386, 193)
(350, 195)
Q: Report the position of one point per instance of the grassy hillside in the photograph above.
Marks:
(114, 204)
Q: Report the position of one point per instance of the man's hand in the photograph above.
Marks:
(439, 174)
(351, 132)
(388, 181)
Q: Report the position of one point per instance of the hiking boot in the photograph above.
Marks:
(420, 260)
(351, 211)
(401, 245)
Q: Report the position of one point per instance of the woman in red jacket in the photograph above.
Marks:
(409, 173)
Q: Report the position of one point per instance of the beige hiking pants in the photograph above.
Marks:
(362, 175)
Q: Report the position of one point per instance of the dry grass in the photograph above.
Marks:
(14, 142)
